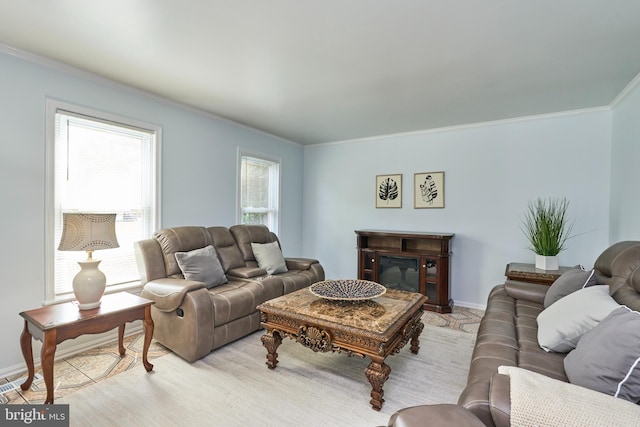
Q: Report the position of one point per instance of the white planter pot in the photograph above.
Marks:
(547, 262)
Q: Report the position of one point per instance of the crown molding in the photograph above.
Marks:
(474, 125)
(104, 81)
(625, 92)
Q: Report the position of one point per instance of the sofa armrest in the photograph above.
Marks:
(247, 272)
(434, 415)
(300, 263)
(168, 294)
(526, 291)
(500, 400)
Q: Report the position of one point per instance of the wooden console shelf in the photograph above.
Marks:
(410, 261)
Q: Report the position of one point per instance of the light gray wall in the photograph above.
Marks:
(199, 158)
(625, 174)
(491, 171)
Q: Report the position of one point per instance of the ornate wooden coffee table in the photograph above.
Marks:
(374, 328)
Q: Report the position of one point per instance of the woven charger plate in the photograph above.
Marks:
(347, 290)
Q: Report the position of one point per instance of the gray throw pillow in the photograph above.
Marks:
(607, 358)
(202, 265)
(269, 257)
(561, 325)
(569, 282)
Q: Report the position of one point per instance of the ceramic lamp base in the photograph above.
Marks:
(547, 262)
(89, 285)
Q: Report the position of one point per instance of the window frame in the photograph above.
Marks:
(51, 108)
(242, 153)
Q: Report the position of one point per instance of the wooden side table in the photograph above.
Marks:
(54, 324)
(529, 273)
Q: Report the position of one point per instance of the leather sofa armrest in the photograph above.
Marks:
(247, 272)
(500, 400)
(168, 294)
(526, 291)
(300, 263)
(434, 415)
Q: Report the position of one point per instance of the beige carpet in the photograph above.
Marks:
(233, 387)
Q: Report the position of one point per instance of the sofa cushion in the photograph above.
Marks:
(180, 239)
(246, 234)
(202, 265)
(570, 281)
(269, 257)
(561, 325)
(228, 250)
(607, 358)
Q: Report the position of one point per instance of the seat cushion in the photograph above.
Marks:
(240, 297)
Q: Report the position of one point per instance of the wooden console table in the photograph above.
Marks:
(54, 324)
(409, 261)
(529, 273)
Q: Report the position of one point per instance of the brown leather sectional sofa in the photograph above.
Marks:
(192, 319)
(508, 336)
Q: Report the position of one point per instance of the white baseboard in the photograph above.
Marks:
(71, 349)
(470, 305)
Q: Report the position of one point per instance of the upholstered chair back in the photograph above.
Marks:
(246, 234)
(615, 265)
(180, 239)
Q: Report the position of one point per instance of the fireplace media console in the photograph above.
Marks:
(409, 261)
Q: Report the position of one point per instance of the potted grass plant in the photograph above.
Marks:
(547, 228)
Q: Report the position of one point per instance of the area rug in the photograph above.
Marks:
(233, 387)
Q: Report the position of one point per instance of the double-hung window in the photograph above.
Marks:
(259, 190)
(99, 163)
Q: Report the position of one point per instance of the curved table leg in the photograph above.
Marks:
(27, 353)
(377, 373)
(148, 334)
(47, 355)
(121, 348)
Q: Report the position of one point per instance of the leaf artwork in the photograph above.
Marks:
(429, 190)
(388, 189)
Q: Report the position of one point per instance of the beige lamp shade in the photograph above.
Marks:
(88, 232)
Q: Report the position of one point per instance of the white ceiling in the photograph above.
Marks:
(332, 70)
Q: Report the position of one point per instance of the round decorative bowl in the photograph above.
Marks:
(347, 290)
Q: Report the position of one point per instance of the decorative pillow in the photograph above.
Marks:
(570, 281)
(607, 358)
(269, 257)
(202, 265)
(561, 325)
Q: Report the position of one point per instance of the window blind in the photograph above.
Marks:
(104, 167)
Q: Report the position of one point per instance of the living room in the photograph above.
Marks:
(492, 169)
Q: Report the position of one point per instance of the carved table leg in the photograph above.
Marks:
(47, 355)
(148, 334)
(27, 353)
(377, 373)
(415, 337)
(271, 341)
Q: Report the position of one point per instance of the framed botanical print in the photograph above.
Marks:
(428, 190)
(389, 191)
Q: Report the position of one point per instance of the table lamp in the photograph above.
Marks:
(88, 232)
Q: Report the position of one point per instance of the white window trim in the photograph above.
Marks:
(250, 153)
(49, 227)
